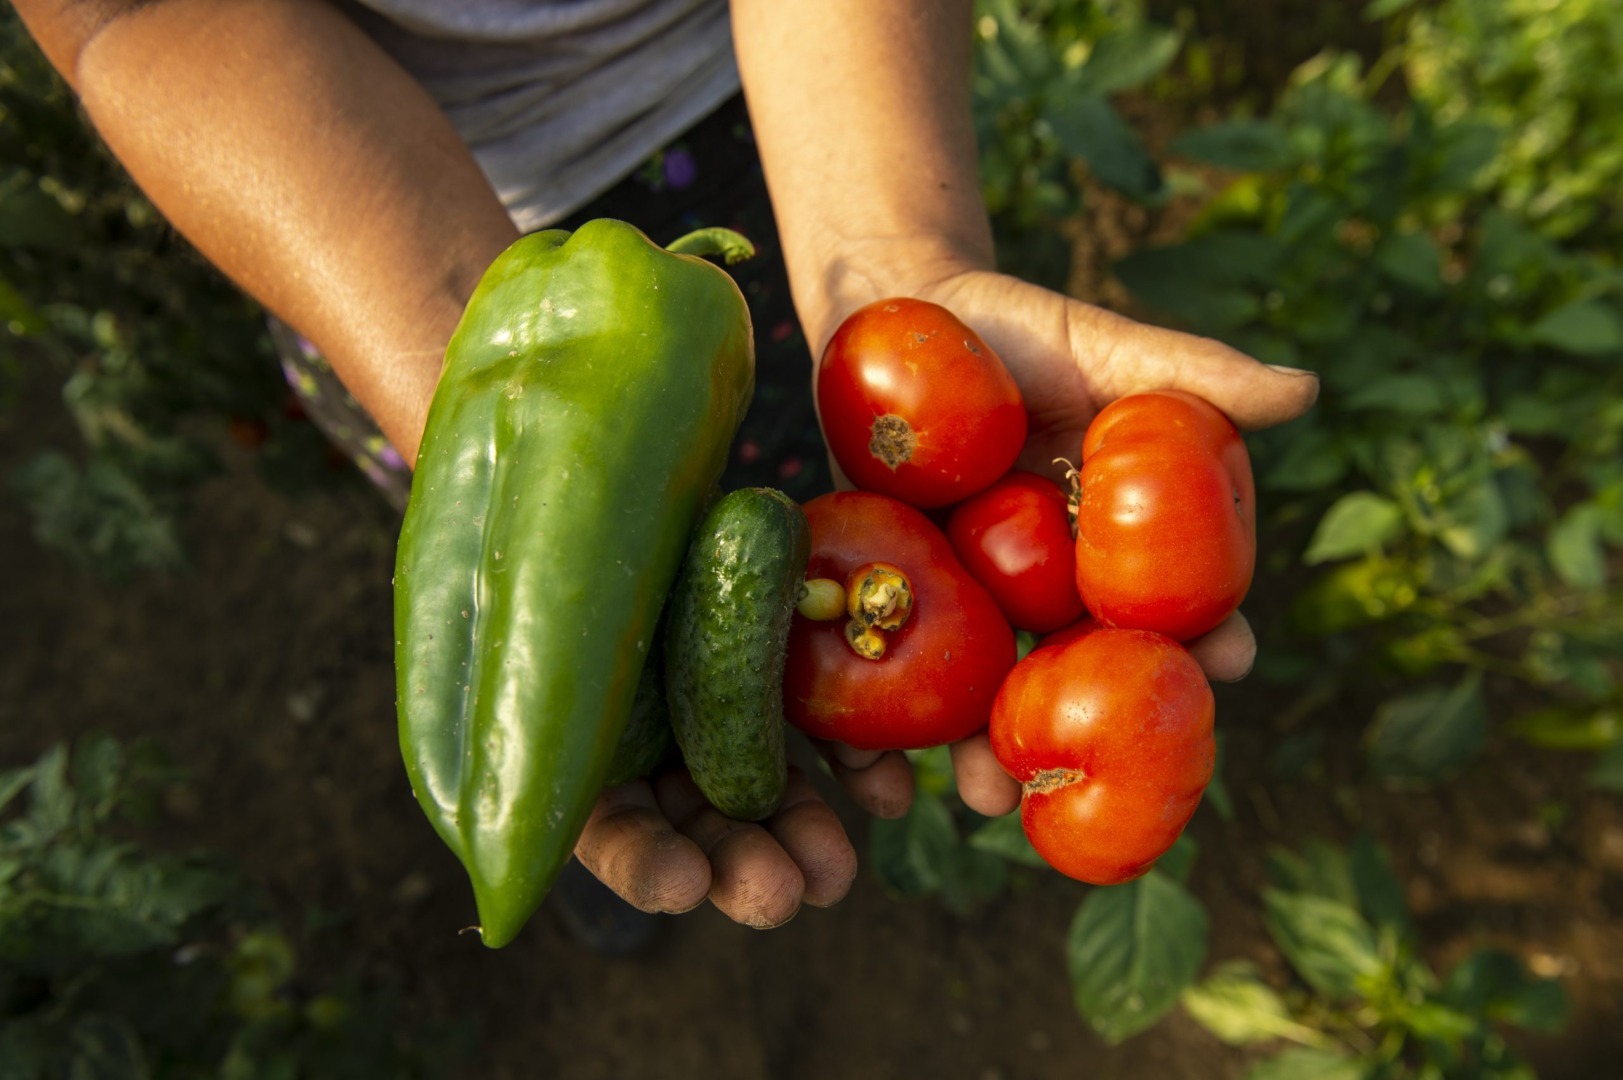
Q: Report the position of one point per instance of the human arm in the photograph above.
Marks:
(302, 162)
(861, 111)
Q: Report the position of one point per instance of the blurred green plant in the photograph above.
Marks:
(154, 351)
(121, 961)
(1362, 1004)
(1460, 482)
(1045, 71)
(1549, 76)
(1130, 950)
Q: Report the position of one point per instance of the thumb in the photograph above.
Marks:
(1253, 394)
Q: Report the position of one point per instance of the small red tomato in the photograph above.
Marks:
(1110, 735)
(935, 674)
(916, 406)
(1166, 525)
(1015, 539)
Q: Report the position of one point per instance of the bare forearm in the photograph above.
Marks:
(305, 164)
(861, 112)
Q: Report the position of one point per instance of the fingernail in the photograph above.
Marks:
(1284, 370)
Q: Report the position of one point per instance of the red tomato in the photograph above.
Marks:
(1015, 539)
(940, 669)
(1166, 530)
(916, 406)
(1110, 735)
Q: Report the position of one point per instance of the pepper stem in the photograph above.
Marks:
(729, 246)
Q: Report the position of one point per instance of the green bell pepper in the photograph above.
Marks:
(584, 413)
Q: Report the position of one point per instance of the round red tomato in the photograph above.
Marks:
(916, 406)
(940, 669)
(1015, 539)
(1110, 734)
(1166, 527)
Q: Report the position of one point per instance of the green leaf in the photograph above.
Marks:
(1409, 393)
(16, 314)
(1582, 327)
(1234, 1004)
(1534, 414)
(1574, 547)
(1318, 869)
(1243, 145)
(1431, 732)
(1607, 772)
(1413, 260)
(29, 218)
(1494, 985)
(1328, 943)
(1131, 951)
(1123, 59)
(1380, 894)
(1568, 728)
(1474, 520)
(910, 853)
(1179, 858)
(13, 782)
(1217, 790)
(98, 768)
(1312, 461)
(1356, 523)
(1089, 128)
(1310, 1063)
(1006, 838)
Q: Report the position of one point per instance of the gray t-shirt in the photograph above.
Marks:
(559, 99)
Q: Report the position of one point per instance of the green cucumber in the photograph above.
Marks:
(725, 645)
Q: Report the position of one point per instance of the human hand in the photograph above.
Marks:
(1070, 360)
(663, 848)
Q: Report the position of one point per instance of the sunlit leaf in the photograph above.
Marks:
(1574, 547)
(1356, 523)
(1310, 1063)
(1584, 327)
(1131, 951)
(1327, 942)
(1244, 145)
(1123, 59)
(1234, 1004)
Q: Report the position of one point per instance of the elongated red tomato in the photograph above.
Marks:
(1015, 539)
(916, 406)
(1110, 734)
(1166, 525)
(939, 671)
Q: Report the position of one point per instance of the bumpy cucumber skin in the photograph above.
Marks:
(725, 646)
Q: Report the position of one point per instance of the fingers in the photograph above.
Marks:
(811, 833)
(881, 783)
(982, 783)
(630, 846)
(1135, 356)
(753, 880)
(1226, 653)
